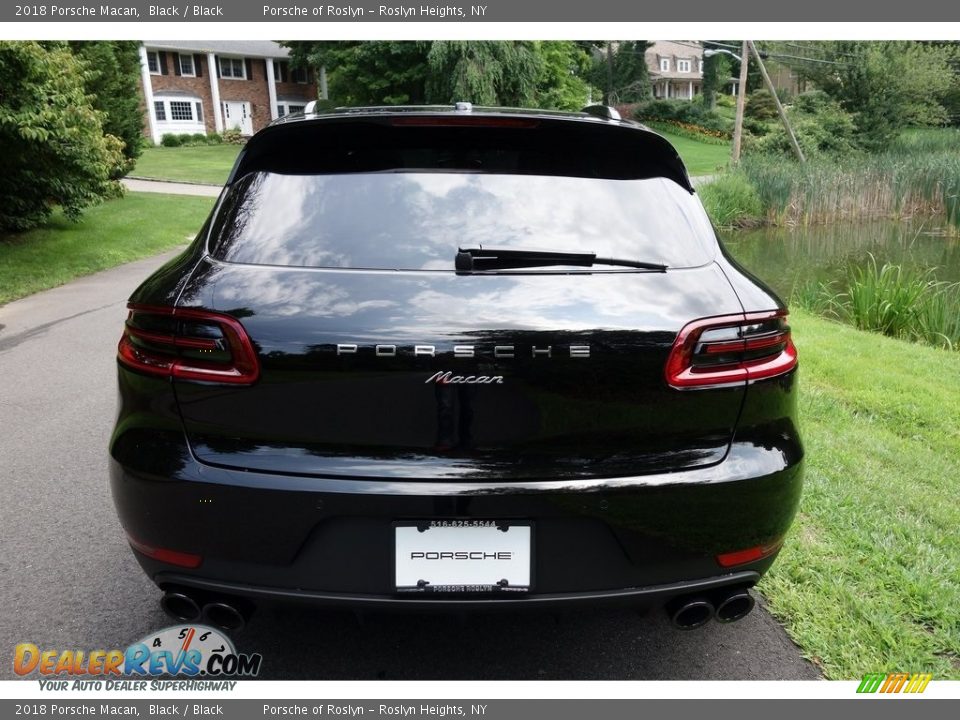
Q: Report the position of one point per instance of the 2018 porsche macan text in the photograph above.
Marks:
(456, 357)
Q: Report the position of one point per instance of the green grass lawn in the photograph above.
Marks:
(118, 231)
(869, 580)
(202, 164)
(700, 158)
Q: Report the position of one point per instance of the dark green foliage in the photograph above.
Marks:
(886, 86)
(536, 73)
(171, 140)
(54, 151)
(112, 80)
(684, 111)
(631, 79)
(717, 70)
(485, 72)
(821, 125)
(377, 72)
(761, 105)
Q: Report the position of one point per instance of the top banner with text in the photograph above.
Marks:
(483, 11)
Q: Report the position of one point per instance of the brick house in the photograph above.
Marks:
(212, 86)
(675, 68)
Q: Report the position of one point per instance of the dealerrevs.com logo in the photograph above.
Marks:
(186, 651)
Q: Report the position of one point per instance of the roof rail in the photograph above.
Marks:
(601, 111)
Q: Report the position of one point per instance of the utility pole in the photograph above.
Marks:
(608, 95)
(780, 110)
(741, 102)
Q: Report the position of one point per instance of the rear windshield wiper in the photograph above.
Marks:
(498, 258)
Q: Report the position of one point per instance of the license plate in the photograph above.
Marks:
(458, 557)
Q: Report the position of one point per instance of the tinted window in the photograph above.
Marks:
(416, 220)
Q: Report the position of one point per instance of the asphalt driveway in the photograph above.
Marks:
(69, 580)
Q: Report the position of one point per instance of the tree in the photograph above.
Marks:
(562, 83)
(717, 71)
(370, 72)
(112, 80)
(620, 68)
(886, 86)
(54, 149)
(485, 72)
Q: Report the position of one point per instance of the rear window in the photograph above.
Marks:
(412, 220)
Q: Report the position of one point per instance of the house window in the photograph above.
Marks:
(233, 68)
(186, 65)
(664, 64)
(153, 62)
(199, 107)
(279, 70)
(159, 111)
(299, 75)
(284, 108)
(683, 66)
(180, 110)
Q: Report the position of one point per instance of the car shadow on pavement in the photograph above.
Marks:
(596, 644)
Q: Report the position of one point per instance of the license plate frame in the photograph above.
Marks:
(449, 579)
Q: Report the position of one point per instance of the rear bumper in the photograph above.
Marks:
(638, 540)
(653, 595)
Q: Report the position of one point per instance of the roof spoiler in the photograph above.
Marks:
(604, 112)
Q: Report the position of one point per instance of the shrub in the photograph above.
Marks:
(694, 132)
(170, 140)
(214, 138)
(731, 200)
(52, 141)
(821, 126)
(198, 139)
(757, 128)
(727, 101)
(233, 137)
(760, 106)
(682, 111)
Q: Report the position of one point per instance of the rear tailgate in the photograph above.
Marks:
(349, 381)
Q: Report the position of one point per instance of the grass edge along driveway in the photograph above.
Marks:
(869, 579)
(135, 226)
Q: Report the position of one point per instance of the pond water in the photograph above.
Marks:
(785, 258)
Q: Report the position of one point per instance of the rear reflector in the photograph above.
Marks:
(171, 557)
(731, 349)
(749, 555)
(187, 344)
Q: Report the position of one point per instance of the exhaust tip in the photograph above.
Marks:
(180, 606)
(224, 615)
(735, 606)
(688, 614)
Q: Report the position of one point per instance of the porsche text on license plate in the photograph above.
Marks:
(463, 558)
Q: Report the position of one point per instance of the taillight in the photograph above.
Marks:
(187, 344)
(731, 349)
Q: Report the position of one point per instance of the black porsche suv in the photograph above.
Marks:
(456, 356)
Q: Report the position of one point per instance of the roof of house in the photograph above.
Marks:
(675, 50)
(246, 48)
